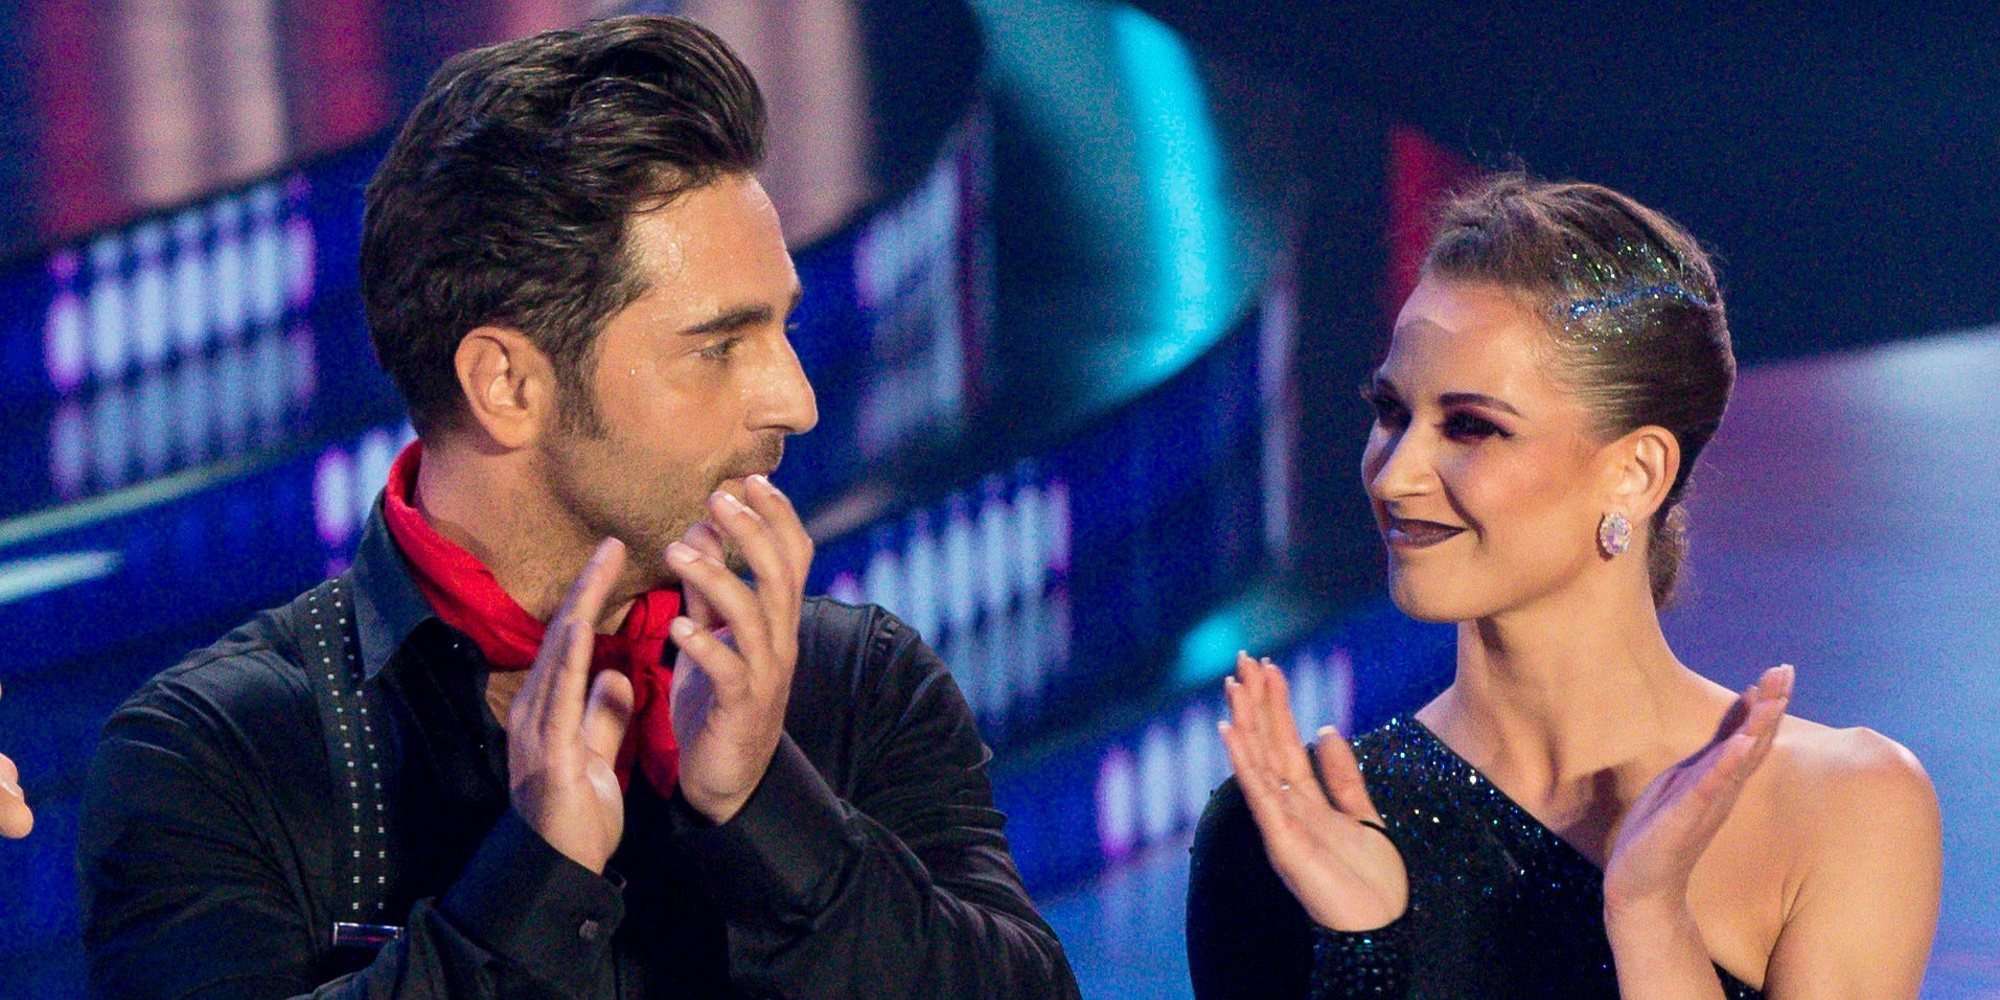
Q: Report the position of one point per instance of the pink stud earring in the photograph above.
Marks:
(1614, 534)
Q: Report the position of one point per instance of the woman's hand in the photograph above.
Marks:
(1672, 822)
(1347, 876)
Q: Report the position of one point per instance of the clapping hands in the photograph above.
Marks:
(738, 644)
(1347, 876)
(1671, 823)
(564, 728)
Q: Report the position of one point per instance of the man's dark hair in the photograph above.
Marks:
(505, 197)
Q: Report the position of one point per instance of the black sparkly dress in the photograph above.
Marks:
(1499, 905)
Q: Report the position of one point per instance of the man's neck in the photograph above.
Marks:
(484, 504)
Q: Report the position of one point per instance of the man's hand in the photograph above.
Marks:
(16, 819)
(738, 646)
(561, 744)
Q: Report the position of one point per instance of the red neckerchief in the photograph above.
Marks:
(465, 595)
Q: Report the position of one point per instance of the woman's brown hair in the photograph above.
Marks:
(1634, 310)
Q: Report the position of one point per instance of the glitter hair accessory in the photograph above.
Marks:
(1614, 534)
(1674, 292)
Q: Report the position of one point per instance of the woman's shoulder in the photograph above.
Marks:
(1844, 764)
(1851, 791)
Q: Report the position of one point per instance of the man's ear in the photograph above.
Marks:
(1643, 466)
(509, 385)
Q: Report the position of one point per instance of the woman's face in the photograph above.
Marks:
(1485, 477)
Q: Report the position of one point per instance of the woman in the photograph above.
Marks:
(1579, 814)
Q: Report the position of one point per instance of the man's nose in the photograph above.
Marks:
(788, 403)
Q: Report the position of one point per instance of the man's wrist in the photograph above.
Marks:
(717, 810)
(774, 859)
(720, 808)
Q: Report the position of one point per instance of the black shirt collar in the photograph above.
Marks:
(387, 604)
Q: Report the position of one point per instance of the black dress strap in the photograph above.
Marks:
(330, 653)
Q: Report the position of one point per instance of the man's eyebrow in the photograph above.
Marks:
(741, 317)
(1478, 399)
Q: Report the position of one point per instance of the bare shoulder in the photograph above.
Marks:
(1851, 786)
(1860, 895)
(1853, 760)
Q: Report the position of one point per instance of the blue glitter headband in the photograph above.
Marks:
(1585, 307)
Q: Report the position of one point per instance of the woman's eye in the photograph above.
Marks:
(1388, 412)
(1467, 427)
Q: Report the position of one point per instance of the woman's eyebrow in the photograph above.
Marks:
(1478, 399)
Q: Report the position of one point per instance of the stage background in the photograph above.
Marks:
(1089, 286)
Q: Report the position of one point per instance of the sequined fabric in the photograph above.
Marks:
(1499, 905)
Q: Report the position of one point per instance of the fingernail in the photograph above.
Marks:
(682, 629)
(763, 481)
(682, 553)
(1326, 731)
(729, 500)
(10, 789)
(1229, 681)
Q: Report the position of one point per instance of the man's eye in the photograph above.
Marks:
(720, 350)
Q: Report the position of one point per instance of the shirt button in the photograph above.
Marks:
(588, 930)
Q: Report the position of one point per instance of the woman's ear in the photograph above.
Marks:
(509, 385)
(1643, 466)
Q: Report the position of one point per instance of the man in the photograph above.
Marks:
(16, 819)
(581, 290)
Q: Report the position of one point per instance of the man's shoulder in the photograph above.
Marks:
(861, 660)
(247, 680)
(846, 638)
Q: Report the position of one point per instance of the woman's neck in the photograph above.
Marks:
(1560, 693)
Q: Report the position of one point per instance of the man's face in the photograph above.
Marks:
(695, 383)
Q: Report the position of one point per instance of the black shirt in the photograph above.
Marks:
(868, 863)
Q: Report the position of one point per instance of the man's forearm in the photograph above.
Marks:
(827, 901)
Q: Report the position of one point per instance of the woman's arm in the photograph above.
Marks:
(1867, 907)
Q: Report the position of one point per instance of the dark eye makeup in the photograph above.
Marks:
(1459, 424)
(1462, 425)
(1389, 411)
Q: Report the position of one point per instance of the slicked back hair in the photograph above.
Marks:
(505, 198)
(1633, 304)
